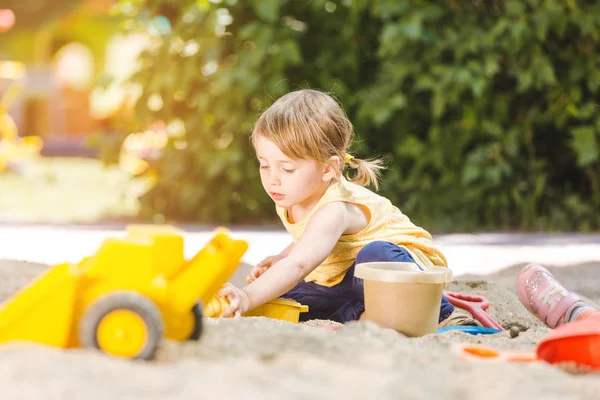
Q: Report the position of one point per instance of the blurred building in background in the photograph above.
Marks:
(67, 48)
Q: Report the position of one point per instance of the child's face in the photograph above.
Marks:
(290, 182)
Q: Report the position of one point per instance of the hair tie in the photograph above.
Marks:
(348, 158)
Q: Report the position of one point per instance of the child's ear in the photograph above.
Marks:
(332, 168)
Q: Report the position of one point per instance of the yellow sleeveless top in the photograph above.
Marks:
(386, 223)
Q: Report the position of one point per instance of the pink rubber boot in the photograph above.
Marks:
(544, 296)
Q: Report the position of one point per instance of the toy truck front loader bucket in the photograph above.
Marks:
(204, 274)
(41, 312)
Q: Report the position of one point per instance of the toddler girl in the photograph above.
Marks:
(301, 143)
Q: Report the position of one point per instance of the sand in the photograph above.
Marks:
(257, 358)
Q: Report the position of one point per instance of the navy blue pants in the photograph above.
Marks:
(346, 301)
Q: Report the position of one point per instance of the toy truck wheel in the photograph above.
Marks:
(123, 324)
(198, 322)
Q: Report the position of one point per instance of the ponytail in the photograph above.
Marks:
(368, 172)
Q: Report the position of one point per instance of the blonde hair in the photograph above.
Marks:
(309, 124)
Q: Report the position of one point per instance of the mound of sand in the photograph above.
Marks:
(269, 359)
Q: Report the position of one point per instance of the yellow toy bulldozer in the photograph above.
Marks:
(128, 296)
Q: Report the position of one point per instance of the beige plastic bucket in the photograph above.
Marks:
(398, 295)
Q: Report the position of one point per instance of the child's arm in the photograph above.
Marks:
(265, 264)
(285, 252)
(322, 232)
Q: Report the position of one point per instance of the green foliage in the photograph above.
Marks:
(500, 126)
(485, 111)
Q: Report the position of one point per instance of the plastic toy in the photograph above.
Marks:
(480, 352)
(576, 342)
(400, 296)
(475, 305)
(128, 296)
(473, 330)
(283, 309)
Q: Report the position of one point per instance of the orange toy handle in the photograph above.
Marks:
(479, 352)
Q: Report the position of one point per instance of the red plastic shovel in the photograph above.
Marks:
(474, 304)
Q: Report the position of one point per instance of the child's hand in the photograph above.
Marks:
(261, 267)
(238, 301)
(255, 273)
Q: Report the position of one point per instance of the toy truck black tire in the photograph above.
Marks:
(126, 301)
(198, 322)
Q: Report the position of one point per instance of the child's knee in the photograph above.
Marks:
(382, 251)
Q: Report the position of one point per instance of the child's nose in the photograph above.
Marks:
(274, 177)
